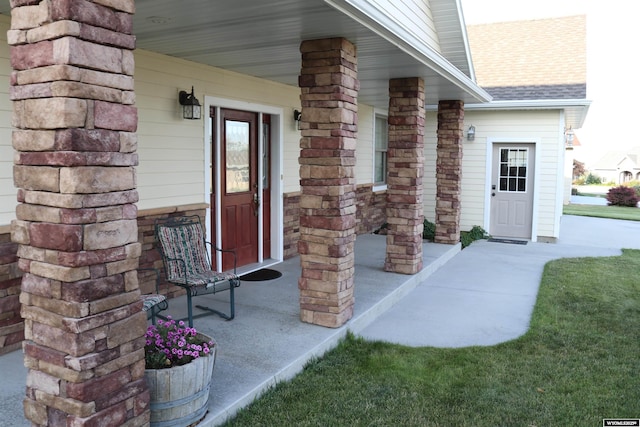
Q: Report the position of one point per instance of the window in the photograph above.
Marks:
(380, 157)
(513, 169)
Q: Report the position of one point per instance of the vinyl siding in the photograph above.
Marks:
(430, 157)
(171, 149)
(413, 15)
(365, 146)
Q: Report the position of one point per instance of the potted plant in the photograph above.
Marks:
(179, 365)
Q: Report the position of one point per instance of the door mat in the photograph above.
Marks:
(511, 241)
(260, 275)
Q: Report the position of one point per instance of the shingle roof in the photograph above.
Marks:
(536, 59)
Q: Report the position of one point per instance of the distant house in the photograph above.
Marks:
(619, 166)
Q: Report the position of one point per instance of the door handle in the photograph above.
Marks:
(256, 202)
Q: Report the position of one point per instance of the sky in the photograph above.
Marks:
(613, 86)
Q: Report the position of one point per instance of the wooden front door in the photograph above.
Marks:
(240, 203)
(512, 190)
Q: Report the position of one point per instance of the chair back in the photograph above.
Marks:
(183, 247)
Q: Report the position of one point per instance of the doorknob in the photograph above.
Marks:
(256, 202)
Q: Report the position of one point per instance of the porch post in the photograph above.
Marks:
(449, 171)
(329, 90)
(405, 163)
(75, 122)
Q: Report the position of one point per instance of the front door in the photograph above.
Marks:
(239, 184)
(512, 190)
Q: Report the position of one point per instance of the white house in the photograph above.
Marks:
(618, 166)
(320, 120)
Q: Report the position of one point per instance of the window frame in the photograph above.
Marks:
(380, 115)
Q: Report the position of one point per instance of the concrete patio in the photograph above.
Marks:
(266, 342)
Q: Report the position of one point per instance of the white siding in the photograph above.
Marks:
(413, 15)
(364, 147)
(540, 126)
(429, 181)
(171, 149)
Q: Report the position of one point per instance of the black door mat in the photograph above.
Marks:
(511, 241)
(260, 275)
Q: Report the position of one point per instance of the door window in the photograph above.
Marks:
(513, 170)
(237, 156)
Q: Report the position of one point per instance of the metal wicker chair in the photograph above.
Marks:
(154, 303)
(187, 263)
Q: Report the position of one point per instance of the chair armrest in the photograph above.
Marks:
(229, 251)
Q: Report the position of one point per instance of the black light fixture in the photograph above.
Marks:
(297, 116)
(190, 105)
(471, 133)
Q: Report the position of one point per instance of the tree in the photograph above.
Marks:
(578, 169)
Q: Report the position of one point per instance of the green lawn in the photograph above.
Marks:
(615, 212)
(578, 363)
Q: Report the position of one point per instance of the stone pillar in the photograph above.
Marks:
(405, 165)
(75, 122)
(329, 90)
(449, 171)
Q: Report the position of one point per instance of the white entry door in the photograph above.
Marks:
(512, 190)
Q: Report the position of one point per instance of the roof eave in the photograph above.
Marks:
(382, 25)
(576, 109)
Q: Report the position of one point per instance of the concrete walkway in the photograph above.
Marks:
(485, 295)
(482, 295)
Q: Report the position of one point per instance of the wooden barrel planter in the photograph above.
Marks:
(180, 394)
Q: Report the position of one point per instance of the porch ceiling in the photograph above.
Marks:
(262, 38)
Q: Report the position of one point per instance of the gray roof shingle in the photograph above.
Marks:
(531, 60)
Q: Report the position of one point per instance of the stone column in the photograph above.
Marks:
(75, 142)
(449, 171)
(329, 89)
(405, 165)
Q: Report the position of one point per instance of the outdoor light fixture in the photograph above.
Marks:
(297, 116)
(190, 105)
(569, 137)
(471, 133)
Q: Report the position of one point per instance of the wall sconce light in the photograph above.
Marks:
(471, 133)
(297, 116)
(568, 135)
(190, 105)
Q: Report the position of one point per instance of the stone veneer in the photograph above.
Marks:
(370, 215)
(73, 101)
(329, 90)
(449, 171)
(291, 231)
(11, 323)
(405, 160)
(372, 208)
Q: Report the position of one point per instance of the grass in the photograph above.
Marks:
(577, 364)
(614, 212)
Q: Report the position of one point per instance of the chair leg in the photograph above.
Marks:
(189, 309)
(232, 301)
